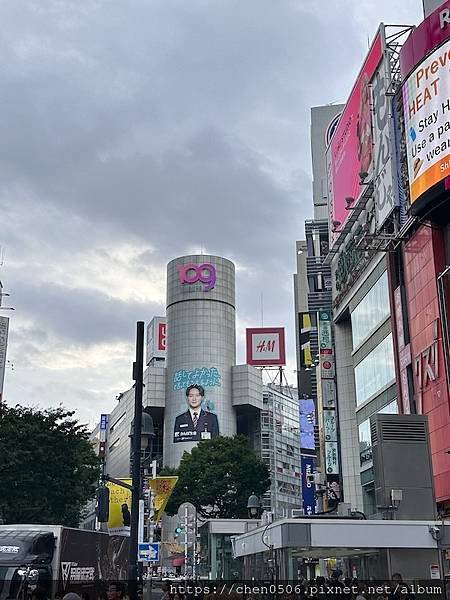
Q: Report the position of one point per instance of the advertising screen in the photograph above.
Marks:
(198, 420)
(351, 149)
(307, 421)
(308, 488)
(265, 346)
(426, 103)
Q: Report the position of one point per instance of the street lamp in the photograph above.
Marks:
(147, 435)
(253, 506)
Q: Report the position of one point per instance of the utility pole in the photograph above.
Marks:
(186, 542)
(138, 376)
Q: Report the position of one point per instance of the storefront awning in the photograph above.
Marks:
(333, 537)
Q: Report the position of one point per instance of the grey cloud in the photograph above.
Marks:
(81, 316)
(169, 124)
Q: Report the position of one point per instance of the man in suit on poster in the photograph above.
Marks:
(195, 424)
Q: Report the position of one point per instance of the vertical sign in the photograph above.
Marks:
(308, 487)
(307, 413)
(104, 419)
(325, 345)
(384, 155)
(331, 458)
(4, 327)
(156, 339)
(330, 425)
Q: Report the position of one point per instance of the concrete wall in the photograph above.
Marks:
(347, 416)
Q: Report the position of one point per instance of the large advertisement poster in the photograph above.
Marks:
(119, 520)
(198, 421)
(350, 155)
(426, 102)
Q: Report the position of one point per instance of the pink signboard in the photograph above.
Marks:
(351, 149)
(266, 346)
(428, 35)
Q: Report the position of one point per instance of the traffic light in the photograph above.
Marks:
(102, 509)
(179, 529)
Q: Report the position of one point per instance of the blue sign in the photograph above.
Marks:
(148, 552)
(307, 419)
(103, 422)
(200, 376)
(308, 487)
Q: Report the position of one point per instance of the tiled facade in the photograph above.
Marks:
(424, 258)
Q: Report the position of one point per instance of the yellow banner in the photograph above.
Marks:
(119, 508)
(162, 488)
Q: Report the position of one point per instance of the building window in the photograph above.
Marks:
(114, 425)
(371, 311)
(114, 445)
(365, 442)
(365, 439)
(375, 371)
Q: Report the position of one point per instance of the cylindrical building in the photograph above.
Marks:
(201, 349)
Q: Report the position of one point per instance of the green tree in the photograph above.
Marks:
(218, 476)
(48, 467)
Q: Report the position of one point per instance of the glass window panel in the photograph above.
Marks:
(371, 311)
(391, 409)
(375, 371)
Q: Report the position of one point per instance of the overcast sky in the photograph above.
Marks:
(134, 132)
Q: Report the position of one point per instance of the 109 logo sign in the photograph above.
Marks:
(191, 273)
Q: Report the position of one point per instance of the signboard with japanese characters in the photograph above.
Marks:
(330, 425)
(331, 458)
(328, 393)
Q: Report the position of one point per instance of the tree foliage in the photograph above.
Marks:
(48, 467)
(218, 476)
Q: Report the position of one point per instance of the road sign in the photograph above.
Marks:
(187, 510)
(148, 552)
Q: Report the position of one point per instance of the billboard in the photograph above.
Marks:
(307, 413)
(266, 346)
(305, 327)
(308, 487)
(384, 160)
(119, 508)
(156, 339)
(195, 423)
(426, 103)
(4, 328)
(351, 150)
